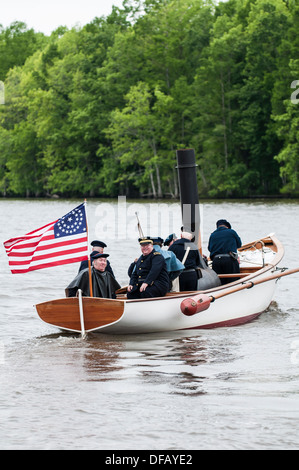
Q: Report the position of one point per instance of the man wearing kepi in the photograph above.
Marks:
(97, 247)
(223, 247)
(103, 283)
(150, 277)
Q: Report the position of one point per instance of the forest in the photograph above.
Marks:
(100, 110)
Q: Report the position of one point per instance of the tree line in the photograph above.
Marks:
(100, 110)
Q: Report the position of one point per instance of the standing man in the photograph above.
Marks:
(150, 277)
(188, 278)
(223, 247)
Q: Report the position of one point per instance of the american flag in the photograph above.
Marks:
(63, 241)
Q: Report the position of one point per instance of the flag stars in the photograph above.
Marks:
(71, 224)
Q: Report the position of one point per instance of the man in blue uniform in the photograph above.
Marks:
(223, 247)
(150, 277)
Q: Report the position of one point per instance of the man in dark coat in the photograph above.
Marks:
(170, 239)
(103, 283)
(150, 277)
(97, 247)
(188, 278)
(223, 247)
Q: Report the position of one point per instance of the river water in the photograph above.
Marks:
(229, 388)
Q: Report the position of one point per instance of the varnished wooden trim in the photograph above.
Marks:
(64, 313)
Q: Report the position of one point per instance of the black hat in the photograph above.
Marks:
(145, 240)
(158, 241)
(223, 222)
(97, 255)
(98, 243)
(169, 239)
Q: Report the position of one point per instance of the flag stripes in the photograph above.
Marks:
(60, 242)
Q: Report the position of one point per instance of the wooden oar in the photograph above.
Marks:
(201, 302)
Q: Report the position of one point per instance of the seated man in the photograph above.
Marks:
(103, 283)
(97, 247)
(150, 277)
(223, 247)
(173, 265)
(170, 239)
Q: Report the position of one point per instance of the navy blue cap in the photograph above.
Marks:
(96, 254)
(158, 240)
(98, 243)
(169, 239)
(145, 240)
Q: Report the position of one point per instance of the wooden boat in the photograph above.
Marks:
(231, 304)
(235, 303)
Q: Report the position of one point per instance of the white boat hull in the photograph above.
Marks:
(234, 309)
(232, 304)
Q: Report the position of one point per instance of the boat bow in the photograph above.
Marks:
(65, 313)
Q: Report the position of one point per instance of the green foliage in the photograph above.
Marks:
(16, 44)
(100, 110)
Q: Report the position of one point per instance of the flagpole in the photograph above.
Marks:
(83, 334)
(89, 263)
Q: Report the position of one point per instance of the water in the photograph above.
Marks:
(230, 388)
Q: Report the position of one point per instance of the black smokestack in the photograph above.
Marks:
(188, 191)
